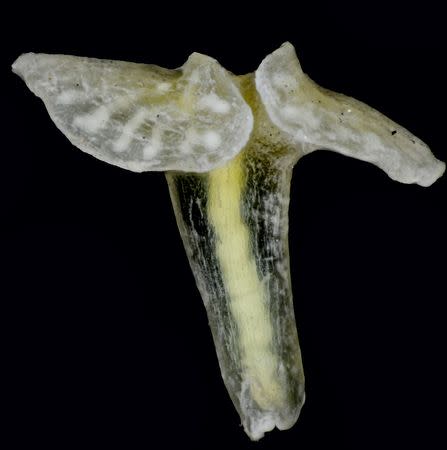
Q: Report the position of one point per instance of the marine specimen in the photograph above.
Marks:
(228, 145)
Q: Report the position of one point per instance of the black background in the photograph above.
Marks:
(106, 338)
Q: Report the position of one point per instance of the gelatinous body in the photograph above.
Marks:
(228, 145)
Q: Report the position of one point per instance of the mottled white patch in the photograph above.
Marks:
(185, 147)
(191, 138)
(153, 147)
(164, 86)
(211, 139)
(291, 112)
(263, 424)
(283, 80)
(373, 141)
(194, 77)
(68, 97)
(94, 121)
(128, 132)
(214, 103)
(302, 116)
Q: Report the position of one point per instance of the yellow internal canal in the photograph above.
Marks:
(247, 292)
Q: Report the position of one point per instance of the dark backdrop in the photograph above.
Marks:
(106, 338)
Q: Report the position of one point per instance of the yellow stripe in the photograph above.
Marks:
(247, 293)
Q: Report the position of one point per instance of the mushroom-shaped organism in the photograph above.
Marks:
(228, 145)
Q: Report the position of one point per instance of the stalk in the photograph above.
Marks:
(234, 225)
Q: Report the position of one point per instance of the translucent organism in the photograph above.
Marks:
(228, 145)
